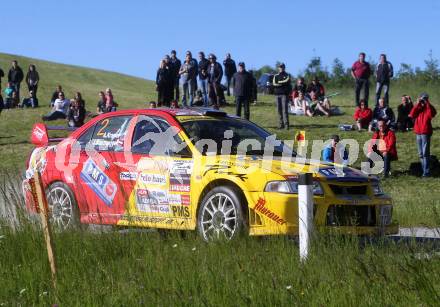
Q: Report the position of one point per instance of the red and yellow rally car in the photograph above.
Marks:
(195, 169)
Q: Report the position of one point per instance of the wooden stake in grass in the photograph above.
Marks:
(41, 201)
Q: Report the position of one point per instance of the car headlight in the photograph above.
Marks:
(377, 189)
(290, 187)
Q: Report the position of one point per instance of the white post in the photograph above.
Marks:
(305, 213)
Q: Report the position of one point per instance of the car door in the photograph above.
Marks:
(98, 174)
(161, 196)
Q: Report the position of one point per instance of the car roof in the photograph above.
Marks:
(174, 112)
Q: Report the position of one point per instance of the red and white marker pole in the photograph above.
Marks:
(305, 213)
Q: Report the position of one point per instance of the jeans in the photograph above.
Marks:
(283, 110)
(33, 88)
(228, 85)
(386, 87)
(423, 146)
(242, 101)
(386, 163)
(204, 88)
(189, 89)
(365, 84)
(176, 88)
(54, 115)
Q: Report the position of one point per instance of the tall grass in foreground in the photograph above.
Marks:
(124, 268)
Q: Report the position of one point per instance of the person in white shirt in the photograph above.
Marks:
(59, 110)
(301, 105)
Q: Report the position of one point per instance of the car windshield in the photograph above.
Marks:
(241, 136)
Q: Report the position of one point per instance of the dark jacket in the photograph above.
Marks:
(32, 76)
(203, 65)
(242, 84)
(2, 74)
(174, 66)
(76, 116)
(215, 73)
(164, 78)
(15, 75)
(385, 114)
(230, 68)
(281, 84)
(384, 72)
(317, 88)
(254, 92)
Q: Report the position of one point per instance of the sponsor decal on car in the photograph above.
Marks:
(181, 167)
(180, 211)
(153, 179)
(179, 199)
(180, 182)
(151, 202)
(99, 182)
(179, 187)
(124, 176)
(149, 219)
(261, 207)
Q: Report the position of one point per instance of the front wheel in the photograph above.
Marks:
(63, 210)
(220, 216)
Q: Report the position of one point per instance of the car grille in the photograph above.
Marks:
(350, 215)
(348, 190)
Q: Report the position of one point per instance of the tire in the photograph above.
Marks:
(220, 215)
(63, 208)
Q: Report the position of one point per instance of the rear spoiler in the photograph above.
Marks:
(40, 135)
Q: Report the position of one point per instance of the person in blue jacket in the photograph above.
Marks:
(329, 154)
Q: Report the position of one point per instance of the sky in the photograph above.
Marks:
(132, 36)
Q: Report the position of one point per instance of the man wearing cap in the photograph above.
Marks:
(282, 89)
(422, 114)
(230, 70)
(361, 72)
(242, 85)
(328, 154)
(215, 74)
(174, 64)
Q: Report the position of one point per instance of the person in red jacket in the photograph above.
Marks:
(383, 143)
(422, 114)
(363, 115)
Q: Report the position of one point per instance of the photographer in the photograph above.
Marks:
(422, 114)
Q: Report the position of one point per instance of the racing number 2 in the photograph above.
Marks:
(104, 125)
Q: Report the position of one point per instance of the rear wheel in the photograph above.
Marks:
(220, 216)
(63, 209)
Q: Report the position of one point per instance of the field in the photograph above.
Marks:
(115, 268)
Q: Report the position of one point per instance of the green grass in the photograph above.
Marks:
(103, 269)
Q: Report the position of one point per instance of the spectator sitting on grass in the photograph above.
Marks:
(404, 122)
(363, 115)
(100, 107)
(329, 153)
(76, 114)
(30, 102)
(153, 105)
(78, 97)
(9, 90)
(59, 110)
(319, 107)
(382, 112)
(300, 86)
(12, 100)
(56, 94)
(317, 88)
(174, 104)
(301, 105)
(383, 143)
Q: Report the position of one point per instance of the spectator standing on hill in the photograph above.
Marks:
(282, 89)
(361, 72)
(59, 110)
(203, 77)
(384, 73)
(15, 76)
(242, 85)
(2, 74)
(384, 113)
(422, 114)
(76, 113)
(254, 92)
(230, 70)
(100, 108)
(363, 116)
(317, 88)
(164, 85)
(175, 64)
(32, 79)
(55, 94)
(383, 143)
(404, 122)
(31, 101)
(215, 74)
(188, 75)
